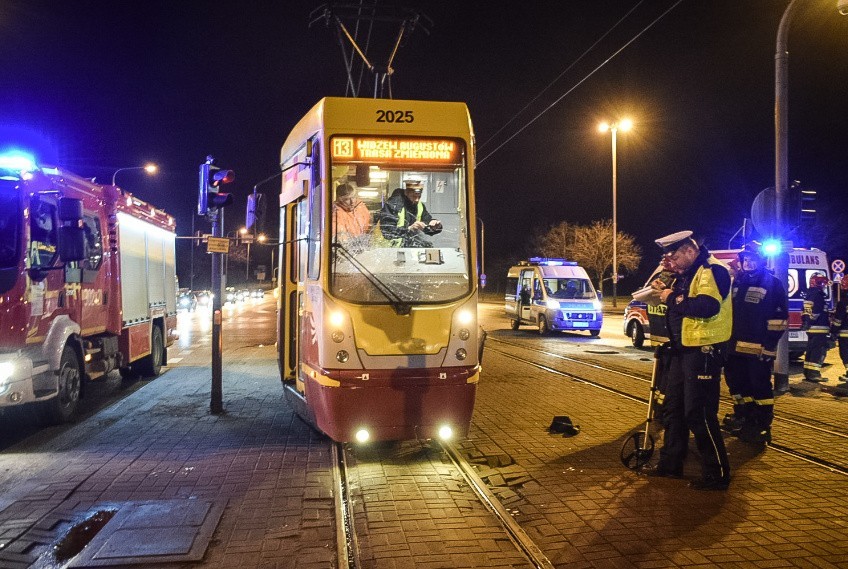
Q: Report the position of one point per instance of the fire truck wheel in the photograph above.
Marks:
(63, 407)
(151, 365)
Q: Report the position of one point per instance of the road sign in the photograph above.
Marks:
(837, 277)
(837, 266)
(218, 245)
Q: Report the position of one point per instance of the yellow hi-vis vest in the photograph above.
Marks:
(401, 219)
(706, 331)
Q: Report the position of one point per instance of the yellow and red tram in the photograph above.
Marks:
(377, 335)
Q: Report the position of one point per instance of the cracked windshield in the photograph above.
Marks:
(399, 220)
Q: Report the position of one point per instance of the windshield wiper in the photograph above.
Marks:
(400, 307)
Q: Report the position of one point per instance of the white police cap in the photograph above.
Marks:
(671, 243)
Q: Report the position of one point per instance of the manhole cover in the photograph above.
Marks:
(154, 531)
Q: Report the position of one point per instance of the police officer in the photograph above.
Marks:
(759, 319)
(816, 321)
(839, 326)
(699, 319)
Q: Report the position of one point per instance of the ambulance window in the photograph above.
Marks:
(43, 234)
(93, 243)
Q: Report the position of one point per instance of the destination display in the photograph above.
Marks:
(429, 150)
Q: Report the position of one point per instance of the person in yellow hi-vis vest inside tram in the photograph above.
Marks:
(404, 220)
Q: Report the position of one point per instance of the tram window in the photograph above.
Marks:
(314, 247)
(379, 260)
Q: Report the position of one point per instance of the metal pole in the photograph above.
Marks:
(216, 404)
(614, 221)
(193, 245)
(247, 264)
(781, 172)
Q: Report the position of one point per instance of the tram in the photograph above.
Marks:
(377, 307)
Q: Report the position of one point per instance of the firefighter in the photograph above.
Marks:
(839, 326)
(699, 319)
(760, 311)
(816, 322)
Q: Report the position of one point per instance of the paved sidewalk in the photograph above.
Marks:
(161, 443)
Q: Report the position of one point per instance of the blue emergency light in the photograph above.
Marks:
(771, 247)
(552, 262)
(17, 161)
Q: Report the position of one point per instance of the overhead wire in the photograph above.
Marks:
(558, 77)
(569, 91)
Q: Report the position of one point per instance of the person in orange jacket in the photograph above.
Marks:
(351, 217)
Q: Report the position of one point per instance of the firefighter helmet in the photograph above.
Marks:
(751, 249)
(818, 281)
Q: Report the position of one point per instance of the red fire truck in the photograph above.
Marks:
(87, 285)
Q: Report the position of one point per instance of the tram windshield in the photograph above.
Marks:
(399, 220)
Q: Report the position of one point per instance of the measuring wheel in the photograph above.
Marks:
(637, 450)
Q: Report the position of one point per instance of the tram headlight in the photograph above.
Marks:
(342, 356)
(362, 436)
(6, 371)
(445, 432)
(337, 318)
(461, 354)
(464, 334)
(337, 336)
(465, 317)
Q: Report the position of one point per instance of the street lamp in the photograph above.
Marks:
(624, 125)
(149, 168)
(781, 167)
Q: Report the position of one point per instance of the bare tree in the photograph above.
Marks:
(591, 246)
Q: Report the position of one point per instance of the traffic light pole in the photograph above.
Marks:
(216, 404)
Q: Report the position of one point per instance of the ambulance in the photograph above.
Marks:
(552, 295)
(804, 264)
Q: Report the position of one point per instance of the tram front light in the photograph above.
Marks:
(362, 436)
(461, 354)
(465, 317)
(464, 334)
(445, 432)
(342, 356)
(337, 318)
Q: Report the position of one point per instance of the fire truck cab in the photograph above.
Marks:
(87, 285)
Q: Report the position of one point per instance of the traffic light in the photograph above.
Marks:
(211, 178)
(808, 206)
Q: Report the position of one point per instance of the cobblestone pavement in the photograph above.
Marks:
(571, 494)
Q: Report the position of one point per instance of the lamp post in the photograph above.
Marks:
(149, 168)
(624, 125)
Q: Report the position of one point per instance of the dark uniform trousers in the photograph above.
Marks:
(693, 385)
(816, 352)
(750, 378)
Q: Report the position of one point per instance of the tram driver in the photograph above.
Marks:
(404, 219)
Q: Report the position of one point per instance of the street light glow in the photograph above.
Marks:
(151, 168)
(604, 127)
(625, 124)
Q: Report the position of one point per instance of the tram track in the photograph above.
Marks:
(783, 419)
(347, 543)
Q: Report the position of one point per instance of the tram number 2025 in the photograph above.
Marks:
(395, 116)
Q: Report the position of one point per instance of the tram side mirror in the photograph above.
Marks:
(363, 175)
(71, 231)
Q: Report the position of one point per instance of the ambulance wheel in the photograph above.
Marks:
(543, 326)
(63, 407)
(636, 333)
(151, 364)
(595, 333)
(513, 324)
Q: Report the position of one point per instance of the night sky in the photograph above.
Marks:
(114, 84)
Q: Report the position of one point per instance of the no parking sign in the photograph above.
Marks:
(837, 266)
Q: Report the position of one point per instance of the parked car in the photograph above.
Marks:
(636, 325)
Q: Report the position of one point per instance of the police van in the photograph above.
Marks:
(552, 294)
